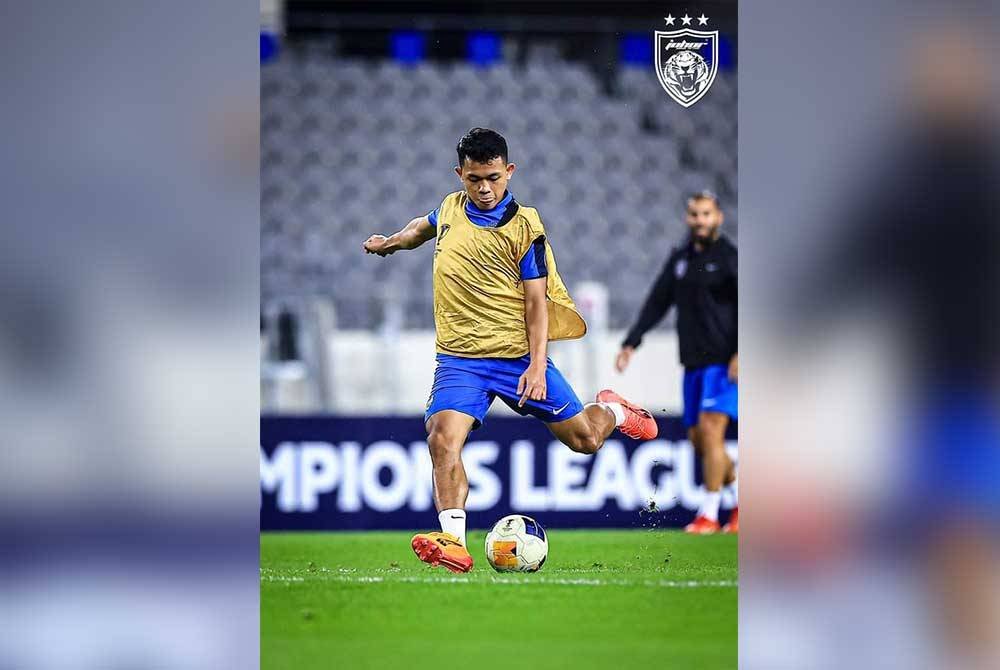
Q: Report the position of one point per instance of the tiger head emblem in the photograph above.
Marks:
(686, 73)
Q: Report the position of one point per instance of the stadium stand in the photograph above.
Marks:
(350, 147)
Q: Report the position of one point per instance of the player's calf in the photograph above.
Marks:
(446, 459)
(584, 445)
(585, 432)
(582, 437)
(447, 433)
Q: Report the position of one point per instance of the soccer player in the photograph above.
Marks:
(498, 300)
(700, 278)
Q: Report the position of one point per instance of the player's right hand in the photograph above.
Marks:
(623, 358)
(376, 244)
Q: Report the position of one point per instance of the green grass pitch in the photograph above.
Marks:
(604, 599)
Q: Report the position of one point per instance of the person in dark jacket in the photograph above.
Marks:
(700, 279)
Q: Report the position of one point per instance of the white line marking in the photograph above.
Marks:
(527, 581)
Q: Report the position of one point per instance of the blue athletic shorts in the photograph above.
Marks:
(469, 385)
(952, 450)
(708, 389)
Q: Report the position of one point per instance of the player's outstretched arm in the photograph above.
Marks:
(658, 302)
(415, 233)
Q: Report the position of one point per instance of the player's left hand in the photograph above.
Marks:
(531, 385)
(734, 368)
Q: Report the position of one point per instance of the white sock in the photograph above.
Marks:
(734, 489)
(453, 521)
(616, 409)
(710, 505)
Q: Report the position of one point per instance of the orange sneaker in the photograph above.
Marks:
(639, 423)
(442, 549)
(733, 525)
(702, 525)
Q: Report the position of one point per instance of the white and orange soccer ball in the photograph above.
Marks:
(517, 544)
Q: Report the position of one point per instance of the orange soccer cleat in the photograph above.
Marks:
(733, 525)
(442, 549)
(639, 423)
(702, 525)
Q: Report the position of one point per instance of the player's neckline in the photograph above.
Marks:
(511, 211)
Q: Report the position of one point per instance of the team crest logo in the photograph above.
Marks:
(687, 60)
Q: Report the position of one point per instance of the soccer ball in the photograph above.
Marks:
(517, 544)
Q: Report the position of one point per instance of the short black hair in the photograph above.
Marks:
(481, 145)
(706, 195)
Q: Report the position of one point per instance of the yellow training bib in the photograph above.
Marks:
(478, 297)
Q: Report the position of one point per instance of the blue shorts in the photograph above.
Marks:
(956, 432)
(708, 389)
(469, 385)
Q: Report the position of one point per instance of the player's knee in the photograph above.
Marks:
(712, 424)
(443, 442)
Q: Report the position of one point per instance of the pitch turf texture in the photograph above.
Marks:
(604, 599)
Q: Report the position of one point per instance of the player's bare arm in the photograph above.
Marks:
(531, 385)
(415, 233)
(658, 303)
(734, 368)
